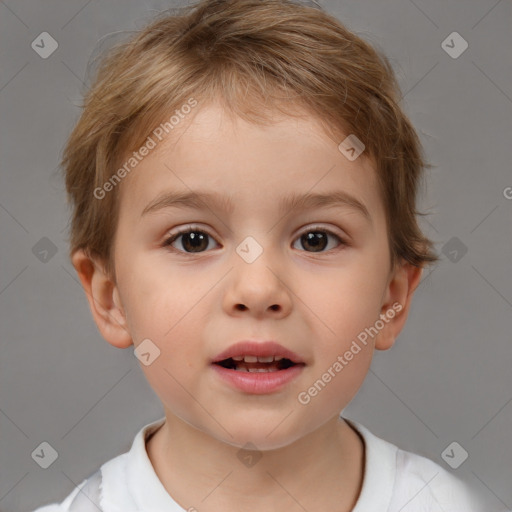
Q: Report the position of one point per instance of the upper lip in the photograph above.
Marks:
(257, 348)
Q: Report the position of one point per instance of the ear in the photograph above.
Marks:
(402, 283)
(104, 300)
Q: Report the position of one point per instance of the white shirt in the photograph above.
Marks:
(394, 480)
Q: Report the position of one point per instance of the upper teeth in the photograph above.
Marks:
(259, 359)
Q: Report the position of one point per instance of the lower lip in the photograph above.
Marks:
(258, 383)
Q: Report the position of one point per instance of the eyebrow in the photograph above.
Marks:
(292, 202)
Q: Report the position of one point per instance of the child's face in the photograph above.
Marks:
(314, 297)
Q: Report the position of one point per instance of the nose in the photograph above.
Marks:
(258, 289)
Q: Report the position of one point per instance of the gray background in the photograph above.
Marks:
(448, 376)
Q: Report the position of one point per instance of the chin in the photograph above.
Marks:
(262, 435)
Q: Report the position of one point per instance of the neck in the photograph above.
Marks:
(323, 470)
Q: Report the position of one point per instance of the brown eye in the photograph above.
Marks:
(192, 241)
(317, 240)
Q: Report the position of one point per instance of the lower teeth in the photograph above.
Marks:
(255, 370)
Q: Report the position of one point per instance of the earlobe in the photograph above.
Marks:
(104, 300)
(399, 293)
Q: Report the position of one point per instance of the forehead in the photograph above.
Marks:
(249, 164)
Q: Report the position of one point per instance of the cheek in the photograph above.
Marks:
(173, 323)
(163, 304)
(333, 384)
(345, 301)
(170, 314)
(154, 298)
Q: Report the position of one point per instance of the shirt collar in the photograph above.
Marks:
(130, 483)
(379, 471)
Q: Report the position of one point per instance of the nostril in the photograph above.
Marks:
(274, 307)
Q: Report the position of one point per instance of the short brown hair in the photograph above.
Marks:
(252, 55)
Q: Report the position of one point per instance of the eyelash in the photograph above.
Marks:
(191, 229)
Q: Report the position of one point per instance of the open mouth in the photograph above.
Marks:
(257, 364)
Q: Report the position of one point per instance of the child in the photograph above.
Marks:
(214, 148)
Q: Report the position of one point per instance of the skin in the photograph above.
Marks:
(188, 304)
